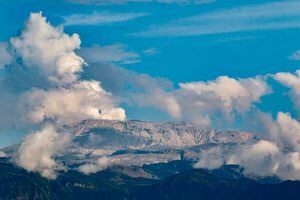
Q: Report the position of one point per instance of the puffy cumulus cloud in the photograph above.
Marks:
(265, 158)
(48, 50)
(259, 159)
(289, 166)
(42, 88)
(101, 164)
(225, 96)
(285, 131)
(289, 80)
(83, 100)
(283, 136)
(277, 154)
(38, 151)
(116, 53)
(5, 56)
(226, 93)
(293, 82)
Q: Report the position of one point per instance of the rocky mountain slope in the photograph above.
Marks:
(140, 134)
(135, 143)
(138, 142)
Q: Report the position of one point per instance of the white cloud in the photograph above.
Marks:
(38, 151)
(295, 55)
(105, 2)
(289, 168)
(82, 101)
(290, 80)
(3, 154)
(101, 164)
(48, 50)
(211, 158)
(68, 99)
(278, 154)
(285, 131)
(200, 101)
(293, 82)
(120, 2)
(100, 18)
(136, 89)
(151, 51)
(116, 53)
(186, 1)
(5, 56)
(259, 159)
(274, 15)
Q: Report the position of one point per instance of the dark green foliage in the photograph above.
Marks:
(16, 183)
(181, 183)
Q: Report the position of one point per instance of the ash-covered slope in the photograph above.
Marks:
(140, 134)
(135, 143)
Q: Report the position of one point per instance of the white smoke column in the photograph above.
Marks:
(101, 164)
(211, 158)
(63, 100)
(38, 151)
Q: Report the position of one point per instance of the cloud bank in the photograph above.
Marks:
(199, 102)
(276, 155)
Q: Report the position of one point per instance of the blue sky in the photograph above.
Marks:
(181, 41)
(242, 53)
